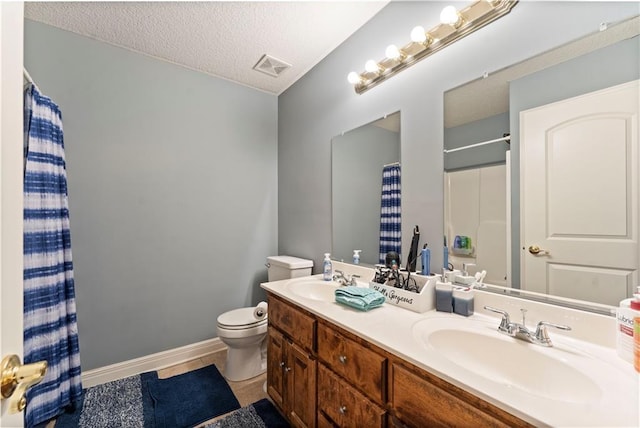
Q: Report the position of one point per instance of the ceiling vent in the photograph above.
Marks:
(271, 66)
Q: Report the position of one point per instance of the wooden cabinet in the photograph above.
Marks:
(419, 399)
(343, 405)
(359, 365)
(291, 374)
(321, 375)
(276, 361)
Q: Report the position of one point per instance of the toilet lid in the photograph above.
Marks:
(240, 318)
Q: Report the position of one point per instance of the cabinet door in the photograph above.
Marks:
(361, 366)
(275, 367)
(418, 402)
(344, 404)
(301, 386)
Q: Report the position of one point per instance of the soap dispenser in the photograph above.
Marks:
(356, 257)
(327, 268)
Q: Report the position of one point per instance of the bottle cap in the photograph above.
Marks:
(326, 255)
(635, 303)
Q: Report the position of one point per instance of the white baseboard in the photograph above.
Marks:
(151, 362)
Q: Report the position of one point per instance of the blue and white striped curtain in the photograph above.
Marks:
(390, 214)
(50, 327)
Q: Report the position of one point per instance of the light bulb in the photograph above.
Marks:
(353, 78)
(392, 52)
(449, 16)
(371, 66)
(418, 35)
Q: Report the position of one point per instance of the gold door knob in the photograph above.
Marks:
(17, 378)
(535, 250)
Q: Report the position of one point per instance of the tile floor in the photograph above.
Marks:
(247, 392)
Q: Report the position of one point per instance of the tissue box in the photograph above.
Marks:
(420, 302)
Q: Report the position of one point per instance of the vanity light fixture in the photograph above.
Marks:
(455, 24)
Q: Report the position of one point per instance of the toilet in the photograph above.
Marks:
(244, 334)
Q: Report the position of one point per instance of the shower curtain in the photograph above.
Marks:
(50, 327)
(390, 219)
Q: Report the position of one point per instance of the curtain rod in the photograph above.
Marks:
(506, 139)
(392, 164)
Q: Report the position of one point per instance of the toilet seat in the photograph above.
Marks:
(240, 319)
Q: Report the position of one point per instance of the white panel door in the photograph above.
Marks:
(11, 136)
(579, 195)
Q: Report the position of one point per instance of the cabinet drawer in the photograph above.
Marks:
(295, 324)
(361, 366)
(418, 402)
(344, 405)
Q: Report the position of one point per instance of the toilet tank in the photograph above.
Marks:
(286, 267)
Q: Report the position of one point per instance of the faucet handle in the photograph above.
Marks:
(542, 336)
(505, 324)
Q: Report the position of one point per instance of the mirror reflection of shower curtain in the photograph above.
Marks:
(390, 212)
(50, 324)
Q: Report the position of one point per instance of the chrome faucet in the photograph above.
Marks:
(520, 330)
(343, 279)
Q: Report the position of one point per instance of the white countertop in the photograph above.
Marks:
(391, 328)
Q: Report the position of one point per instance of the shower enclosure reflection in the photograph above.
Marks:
(357, 160)
(487, 108)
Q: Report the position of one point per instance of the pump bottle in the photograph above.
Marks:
(327, 268)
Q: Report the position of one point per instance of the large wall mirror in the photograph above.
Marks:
(488, 177)
(358, 158)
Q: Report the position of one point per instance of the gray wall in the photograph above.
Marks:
(600, 69)
(358, 158)
(172, 192)
(323, 104)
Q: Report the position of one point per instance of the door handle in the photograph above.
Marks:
(17, 378)
(535, 250)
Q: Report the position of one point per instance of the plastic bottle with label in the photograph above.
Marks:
(636, 347)
(626, 337)
(327, 268)
(426, 260)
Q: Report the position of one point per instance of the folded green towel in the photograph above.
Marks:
(359, 297)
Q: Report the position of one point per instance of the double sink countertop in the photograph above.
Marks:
(580, 381)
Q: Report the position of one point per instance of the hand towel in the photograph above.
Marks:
(359, 297)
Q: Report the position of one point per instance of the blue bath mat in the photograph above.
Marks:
(261, 414)
(188, 399)
(144, 401)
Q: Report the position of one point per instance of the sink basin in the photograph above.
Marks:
(313, 289)
(477, 347)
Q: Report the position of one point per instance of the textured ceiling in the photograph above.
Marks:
(224, 39)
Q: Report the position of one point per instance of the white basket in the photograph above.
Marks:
(416, 302)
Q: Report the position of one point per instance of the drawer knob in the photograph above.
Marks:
(343, 409)
(281, 363)
(343, 359)
(287, 369)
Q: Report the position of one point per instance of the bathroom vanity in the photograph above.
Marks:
(330, 365)
(358, 384)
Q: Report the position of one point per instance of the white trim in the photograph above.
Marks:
(151, 362)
